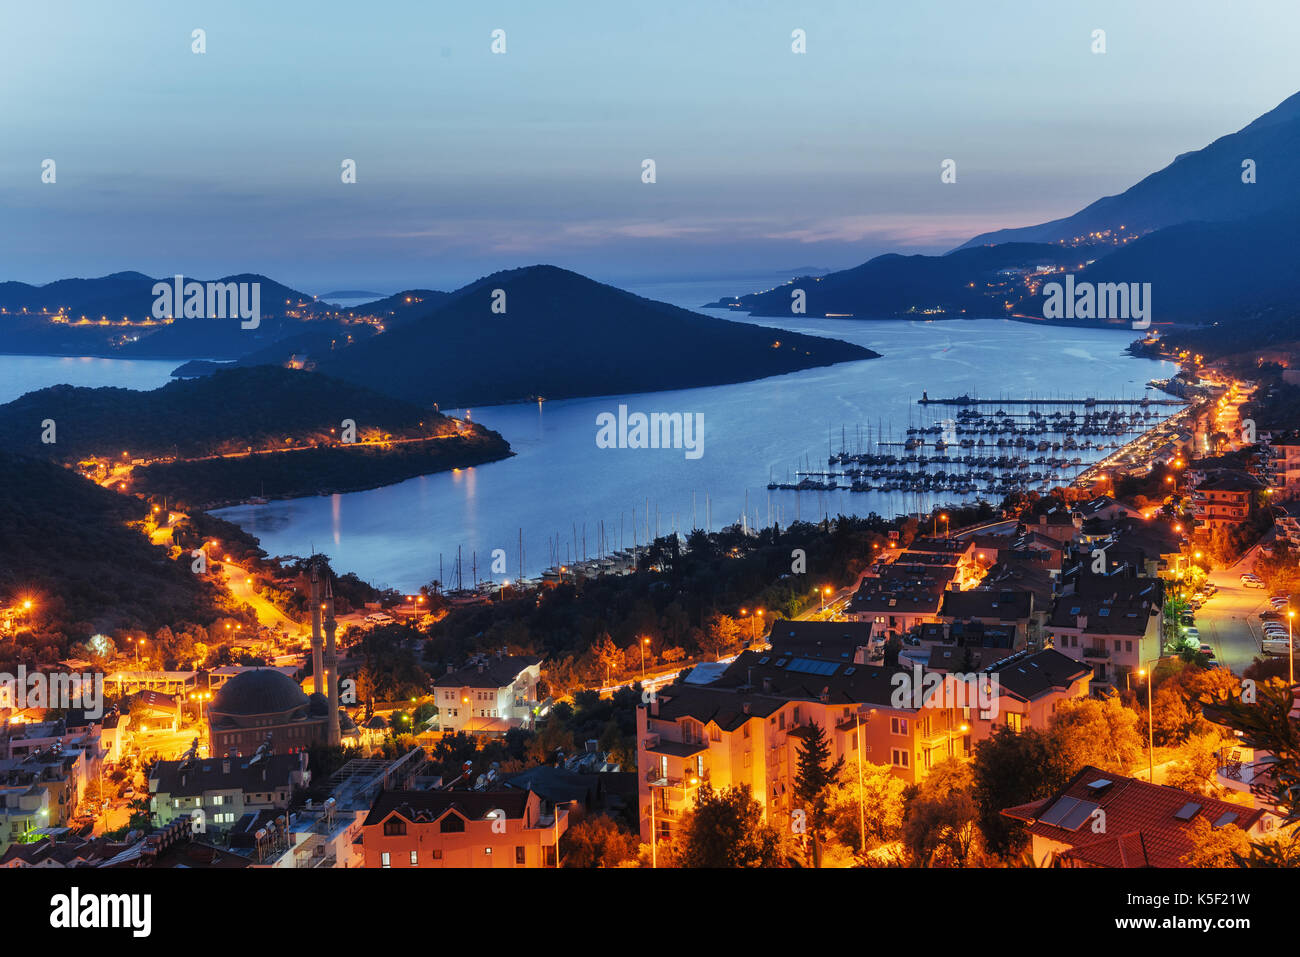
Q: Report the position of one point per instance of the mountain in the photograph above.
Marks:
(65, 543)
(1205, 272)
(564, 335)
(1203, 185)
(970, 283)
(113, 316)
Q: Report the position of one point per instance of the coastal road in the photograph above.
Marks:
(240, 584)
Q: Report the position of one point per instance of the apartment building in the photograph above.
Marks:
(462, 829)
(1224, 498)
(1030, 687)
(1113, 636)
(490, 695)
(746, 728)
(220, 791)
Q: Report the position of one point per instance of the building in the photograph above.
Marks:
(498, 828)
(155, 711)
(266, 704)
(1100, 819)
(217, 792)
(1010, 607)
(168, 682)
(1224, 498)
(1113, 636)
(490, 695)
(747, 728)
(1030, 686)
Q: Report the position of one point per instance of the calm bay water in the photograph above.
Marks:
(560, 485)
(22, 374)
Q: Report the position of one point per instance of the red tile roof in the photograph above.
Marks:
(1141, 829)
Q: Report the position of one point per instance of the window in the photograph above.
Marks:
(745, 731)
(414, 859)
(394, 826)
(519, 854)
(1015, 722)
(900, 758)
(437, 854)
(548, 855)
(898, 726)
(716, 735)
(1128, 646)
(487, 850)
(748, 758)
(218, 800)
(386, 862)
(452, 824)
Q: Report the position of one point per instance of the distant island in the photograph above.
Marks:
(242, 433)
(562, 335)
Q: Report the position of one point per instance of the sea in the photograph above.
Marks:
(563, 497)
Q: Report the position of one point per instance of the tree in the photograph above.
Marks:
(726, 829)
(597, 841)
(1196, 764)
(813, 777)
(1214, 846)
(723, 632)
(881, 806)
(1011, 769)
(939, 827)
(1103, 734)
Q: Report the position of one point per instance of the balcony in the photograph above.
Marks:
(1244, 769)
(1096, 652)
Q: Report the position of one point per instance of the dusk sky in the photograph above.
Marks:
(469, 162)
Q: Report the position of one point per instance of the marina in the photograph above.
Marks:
(977, 453)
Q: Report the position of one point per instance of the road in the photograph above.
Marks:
(1229, 622)
(269, 616)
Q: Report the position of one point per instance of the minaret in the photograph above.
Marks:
(317, 662)
(331, 667)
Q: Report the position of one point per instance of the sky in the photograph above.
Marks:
(468, 161)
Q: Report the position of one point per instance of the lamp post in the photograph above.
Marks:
(644, 641)
(824, 591)
(1290, 645)
(1151, 734)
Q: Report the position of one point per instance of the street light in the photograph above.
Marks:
(1290, 646)
(826, 590)
(644, 641)
(1151, 733)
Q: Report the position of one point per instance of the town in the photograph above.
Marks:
(1086, 675)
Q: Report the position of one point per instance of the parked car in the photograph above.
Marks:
(1276, 646)
(1252, 581)
(1207, 650)
(1192, 635)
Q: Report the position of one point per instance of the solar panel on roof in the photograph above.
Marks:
(1057, 811)
(1099, 785)
(1227, 817)
(1077, 815)
(1187, 811)
(811, 667)
(764, 660)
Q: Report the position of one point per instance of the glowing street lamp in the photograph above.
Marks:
(1151, 733)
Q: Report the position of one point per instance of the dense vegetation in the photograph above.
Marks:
(212, 483)
(228, 412)
(65, 542)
